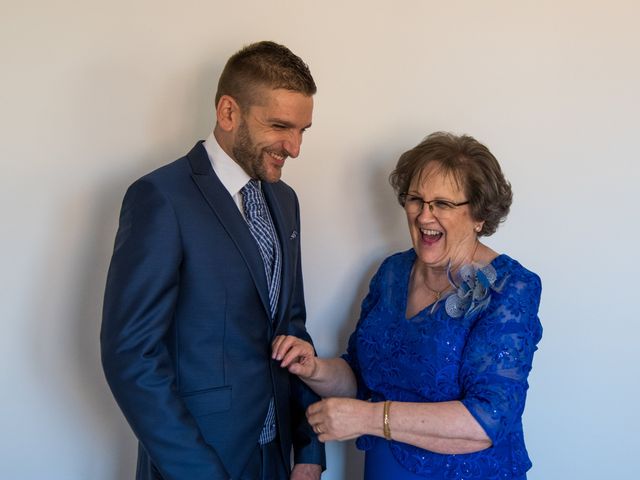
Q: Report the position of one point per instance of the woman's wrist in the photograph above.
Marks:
(386, 421)
(314, 376)
(373, 422)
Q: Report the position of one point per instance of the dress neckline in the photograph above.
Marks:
(407, 277)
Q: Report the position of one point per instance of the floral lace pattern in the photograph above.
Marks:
(477, 348)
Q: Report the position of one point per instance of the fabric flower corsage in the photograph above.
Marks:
(472, 292)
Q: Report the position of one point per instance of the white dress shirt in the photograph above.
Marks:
(232, 176)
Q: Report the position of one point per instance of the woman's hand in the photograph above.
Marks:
(296, 355)
(341, 418)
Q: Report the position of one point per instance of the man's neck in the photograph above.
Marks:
(224, 140)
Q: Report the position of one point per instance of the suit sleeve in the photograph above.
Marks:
(306, 446)
(140, 298)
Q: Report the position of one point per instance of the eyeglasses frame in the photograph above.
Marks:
(403, 200)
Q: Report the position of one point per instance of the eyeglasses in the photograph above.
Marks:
(414, 205)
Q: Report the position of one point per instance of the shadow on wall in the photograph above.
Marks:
(67, 350)
(69, 287)
(120, 442)
(183, 134)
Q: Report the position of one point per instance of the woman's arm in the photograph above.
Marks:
(493, 376)
(327, 377)
(443, 427)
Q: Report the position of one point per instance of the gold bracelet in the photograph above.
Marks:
(386, 428)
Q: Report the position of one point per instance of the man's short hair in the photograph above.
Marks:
(263, 64)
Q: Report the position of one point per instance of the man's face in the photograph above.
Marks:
(271, 131)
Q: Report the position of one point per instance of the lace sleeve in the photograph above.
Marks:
(499, 354)
(351, 356)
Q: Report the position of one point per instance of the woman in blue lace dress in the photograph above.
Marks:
(434, 380)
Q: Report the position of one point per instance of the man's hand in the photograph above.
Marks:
(306, 471)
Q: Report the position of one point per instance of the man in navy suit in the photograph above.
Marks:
(191, 308)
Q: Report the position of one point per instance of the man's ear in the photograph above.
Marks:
(227, 113)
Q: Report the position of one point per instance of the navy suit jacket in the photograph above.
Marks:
(186, 331)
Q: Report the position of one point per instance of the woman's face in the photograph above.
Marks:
(444, 234)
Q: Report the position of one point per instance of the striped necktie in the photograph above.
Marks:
(262, 229)
(264, 233)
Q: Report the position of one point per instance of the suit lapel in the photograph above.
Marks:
(230, 218)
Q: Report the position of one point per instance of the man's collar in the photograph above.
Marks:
(232, 176)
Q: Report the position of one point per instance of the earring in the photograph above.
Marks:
(478, 228)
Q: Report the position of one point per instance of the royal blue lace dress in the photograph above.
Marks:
(475, 346)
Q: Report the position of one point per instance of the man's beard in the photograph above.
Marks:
(245, 154)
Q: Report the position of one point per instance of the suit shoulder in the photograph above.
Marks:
(167, 172)
(163, 181)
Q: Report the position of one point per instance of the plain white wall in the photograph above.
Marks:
(93, 94)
